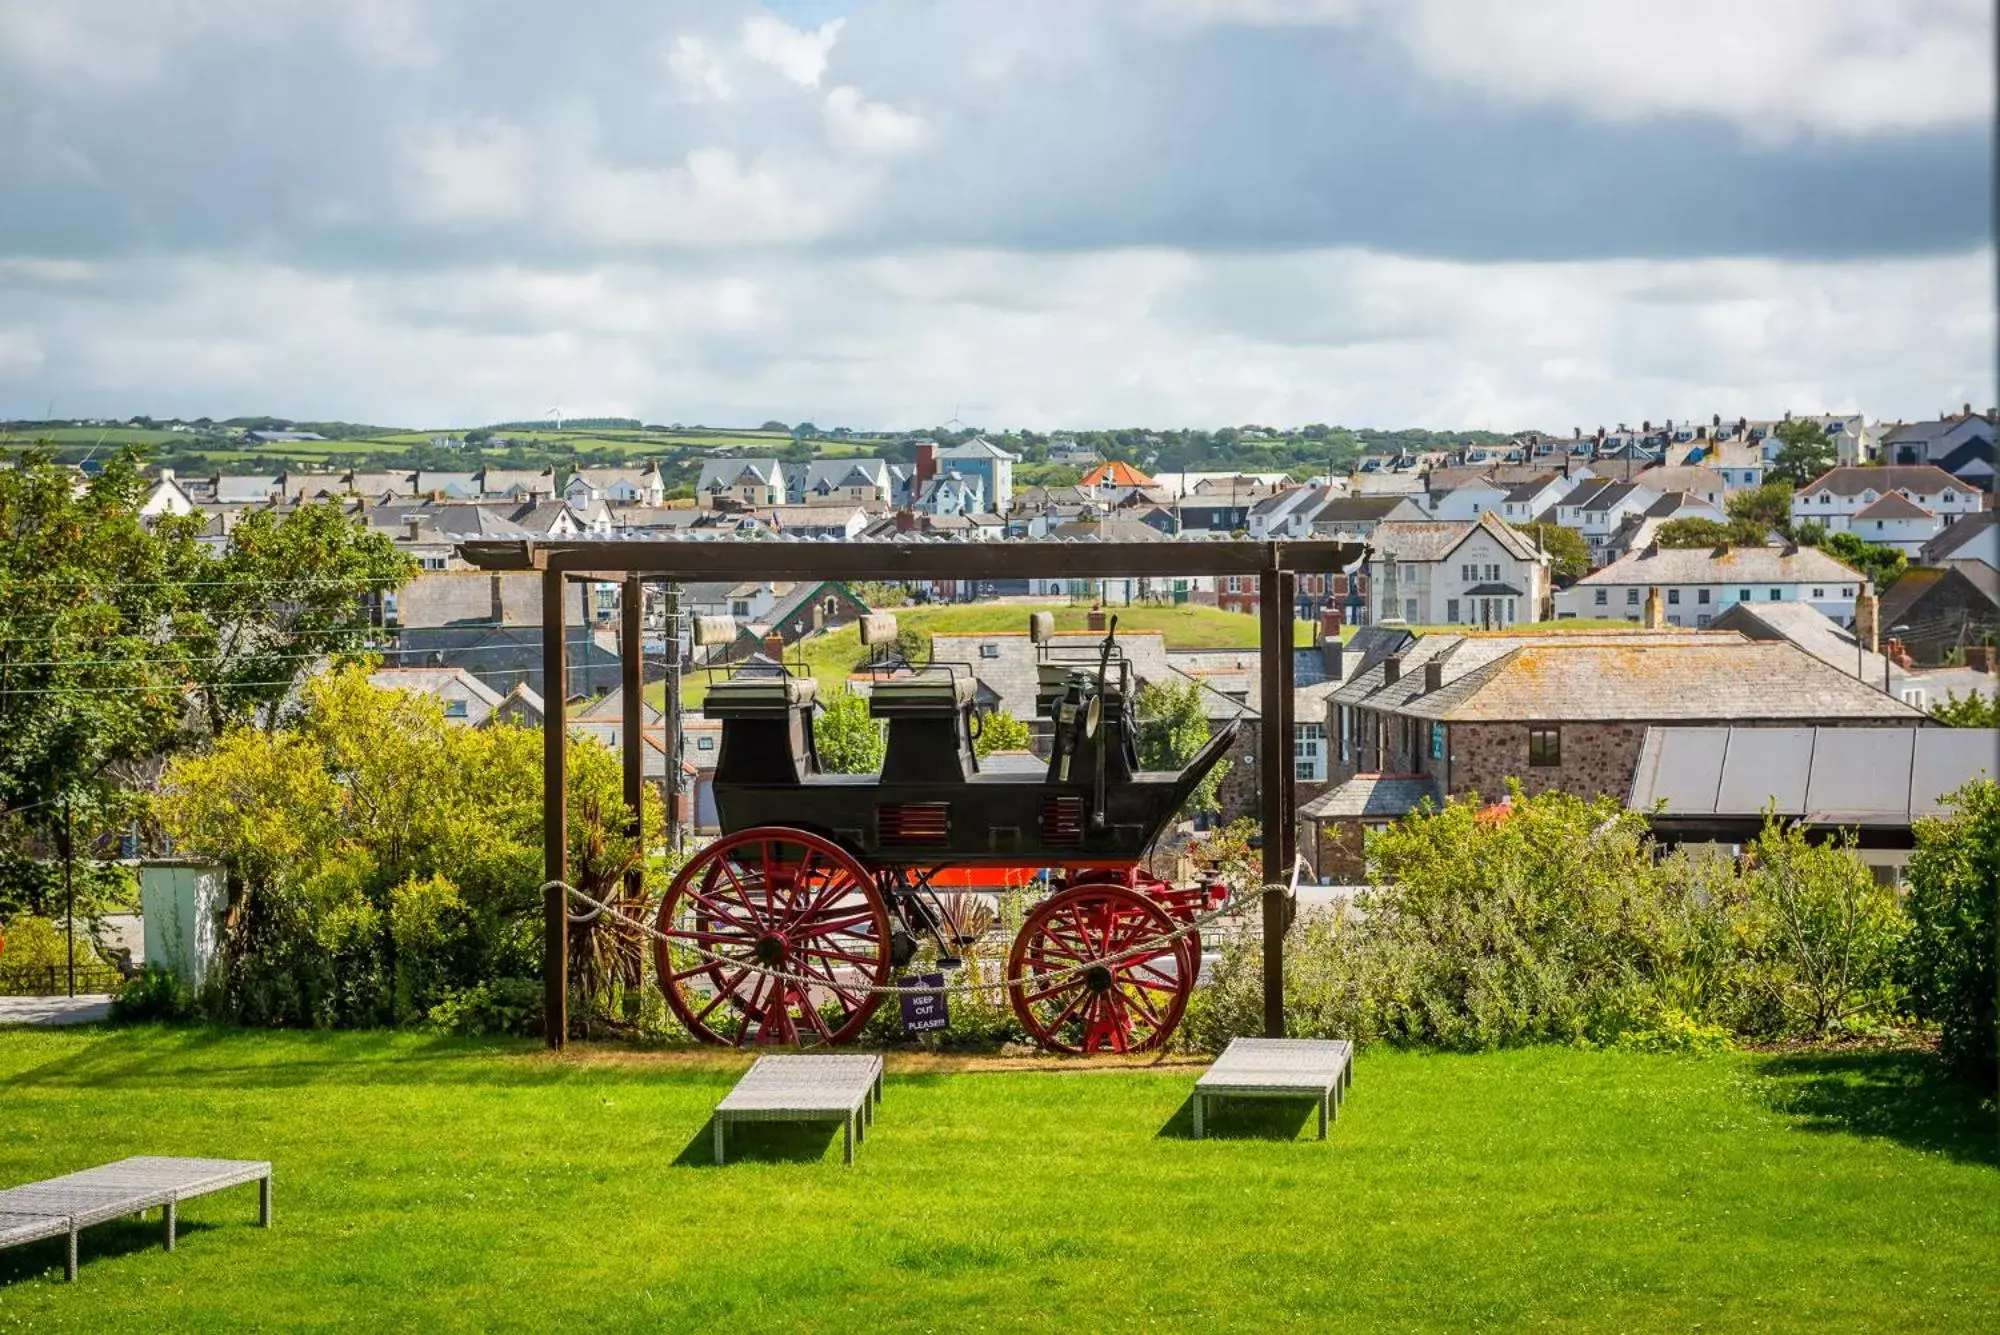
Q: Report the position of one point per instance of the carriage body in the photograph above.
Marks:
(833, 880)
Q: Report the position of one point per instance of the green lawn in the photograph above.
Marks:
(457, 1186)
(830, 657)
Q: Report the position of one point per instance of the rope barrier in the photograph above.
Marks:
(601, 908)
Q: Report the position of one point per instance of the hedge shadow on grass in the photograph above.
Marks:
(1903, 1096)
(1244, 1119)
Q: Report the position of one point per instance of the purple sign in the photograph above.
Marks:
(924, 1011)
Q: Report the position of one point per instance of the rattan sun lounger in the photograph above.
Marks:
(804, 1089)
(74, 1201)
(1278, 1068)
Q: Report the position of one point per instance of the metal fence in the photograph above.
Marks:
(55, 980)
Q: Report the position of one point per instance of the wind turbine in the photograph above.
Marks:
(556, 413)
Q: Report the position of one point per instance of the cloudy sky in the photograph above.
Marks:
(1044, 213)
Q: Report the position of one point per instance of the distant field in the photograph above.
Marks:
(91, 435)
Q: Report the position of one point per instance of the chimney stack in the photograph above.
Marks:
(1655, 613)
(1867, 620)
(1334, 655)
(1329, 621)
(412, 525)
(927, 465)
(1979, 658)
(774, 647)
(1433, 676)
(1392, 669)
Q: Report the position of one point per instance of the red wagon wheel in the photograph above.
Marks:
(1130, 1006)
(1176, 907)
(783, 900)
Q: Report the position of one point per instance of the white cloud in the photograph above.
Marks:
(699, 68)
(1775, 66)
(710, 198)
(1036, 339)
(855, 123)
(478, 171)
(1261, 13)
(796, 54)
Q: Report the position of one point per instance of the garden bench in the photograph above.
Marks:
(804, 1089)
(1278, 1068)
(70, 1203)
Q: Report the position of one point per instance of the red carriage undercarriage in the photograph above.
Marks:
(790, 928)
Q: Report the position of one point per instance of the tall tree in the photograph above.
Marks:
(1569, 554)
(847, 737)
(94, 662)
(1173, 727)
(1880, 564)
(1769, 507)
(1804, 451)
(290, 595)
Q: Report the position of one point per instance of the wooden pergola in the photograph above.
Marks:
(1272, 564)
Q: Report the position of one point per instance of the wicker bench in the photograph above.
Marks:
(1278, 1068)
(68, 1204)
(804, 1089)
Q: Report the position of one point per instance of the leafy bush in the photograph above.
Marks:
(496, 1006)
(380, 858)
(153, 994)
(1948, 959)
(35, 945)
(1553, 919)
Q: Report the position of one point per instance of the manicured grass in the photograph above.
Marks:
(830, 657)
(446, 1185)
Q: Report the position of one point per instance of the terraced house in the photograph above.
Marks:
(1422, 718)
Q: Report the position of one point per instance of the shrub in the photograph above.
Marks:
(35, 946)
(1948, 960)
(152, 994)
(496, 1006)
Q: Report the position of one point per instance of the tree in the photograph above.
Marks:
(1173, 728)
(1569, 554)
(1880, 564)
(1693, 532)
(848, 739)
(1768, 506)
(94, 668)
(775, 425)
(1804, 451)
(1000, 731)
(1949, 958)
(290, 595)
(1974, 711)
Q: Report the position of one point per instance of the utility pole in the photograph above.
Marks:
(673, 717)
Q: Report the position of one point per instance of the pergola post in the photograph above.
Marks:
(632, 732)
(1273, 785)
(555, 810)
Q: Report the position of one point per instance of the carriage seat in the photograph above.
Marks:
(927, 693)
(760, 690)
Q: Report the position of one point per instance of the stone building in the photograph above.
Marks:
(1426, 718)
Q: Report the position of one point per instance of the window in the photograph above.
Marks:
(1847, 590)
(989, 651)
(740, 607)
(1703, 619)
(1914, 695)
(1493, 573)
(1674, 596)
(1410, 610)
(1631, 597)
(1819, 593)
(1468, 573)
(1544, 747)
(1235, 584)
(1451, 610)
(1602, 597)
(1774, 596)
(704, 743)
(1437, 741)
(1307, 762)
(1346, 732)
(1701, 596)
(455, 709)
(1743, 595)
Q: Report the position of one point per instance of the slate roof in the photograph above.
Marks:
(1373, 797)
(1962, 530)
(1924, 479)
(1808, 628)
(1888, 776)
(1361, 509)
(1729, 565)
(1620, 677)
(1436, 539)
(977, 448)
(721, 473)
(838, 473)
(1919, 582)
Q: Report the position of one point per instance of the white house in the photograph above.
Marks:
(954, 493)
(1852, 499)
(616, 486)
(1697, 583)
(1435, 572)
(1597, 510)
(747, 483)
(167, 497)
(1468, 500)
(1525, 501)
(846, 482)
